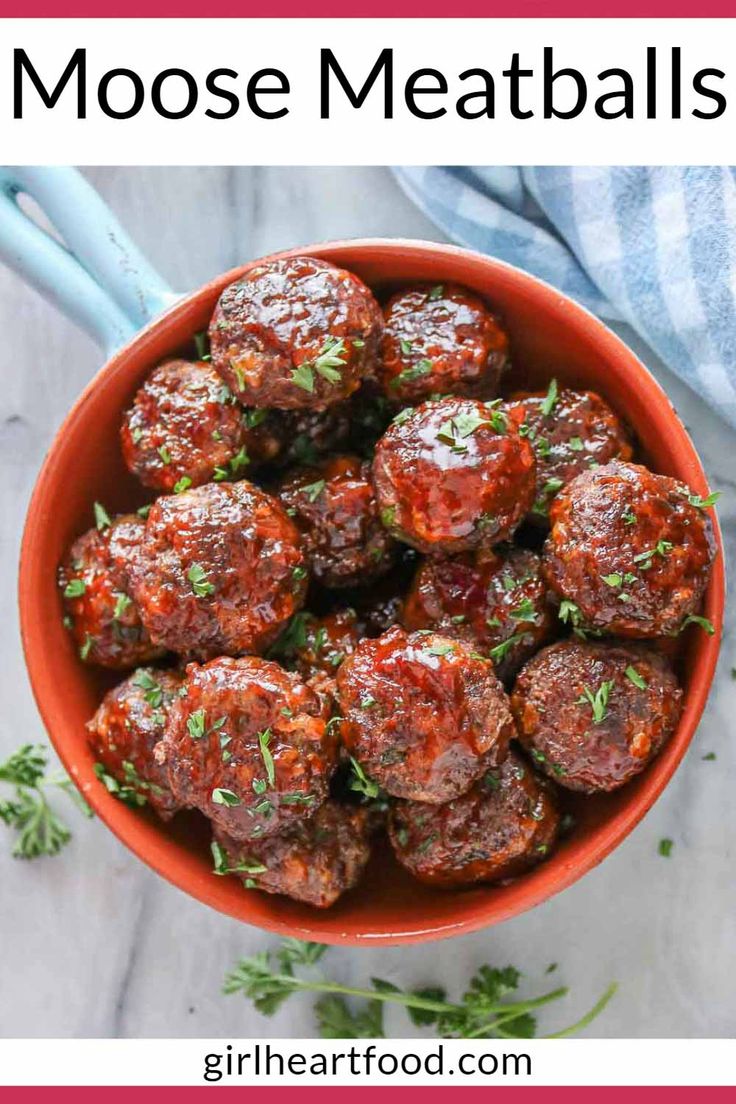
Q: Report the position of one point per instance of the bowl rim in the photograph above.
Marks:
(156, 853)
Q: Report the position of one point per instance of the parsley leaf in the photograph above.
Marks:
(548, 403)
(201, 586)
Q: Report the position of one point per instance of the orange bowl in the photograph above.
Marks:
(551, 335)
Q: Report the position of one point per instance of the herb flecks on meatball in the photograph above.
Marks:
(294, 333)
(315, 861)
(220, 570)
(494, 599)
(424, 715)
(248, 744)
(571, 432)
(128, 724)
(452, 475)
(630, 549)
(95, 585)
(504, 825)
(593, 714)
(334, 506)
(441, 339)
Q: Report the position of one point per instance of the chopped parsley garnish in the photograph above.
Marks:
(122, 603)
(326, 364)
(525, 611)
(75, 588)
(225, 797)
(164, 454)
(367, 702)
(221, 865)
(709, 757)
(695, 619)
(548, 402)
(102, 518)
(239, 376)
(665, 847)
(598, 701)
(499, 653)
(202, 345)
(388, 516)
(405, 346)
(439, 650)
(201, 586)
(629, 517)
(182, 484)
(234, 464)
(314, 490)
(86, 647)
(144, 511)
(264, 738)
(421, 368)
(153, 694)
(576, 444)
(255, 417)
(196, 724)
(361, 783)
(704, 503)
(436, 292)
(633, 676)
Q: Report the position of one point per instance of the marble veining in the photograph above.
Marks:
(95, 944)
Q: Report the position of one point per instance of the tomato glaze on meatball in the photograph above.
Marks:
(441, 339)
(630, 550)
(334, 506)
(220, 570)
(296, 332)
(452, 475)
(248, 744)
(593, 715)
(571, 431)
(423, 714)
(128, 724)
(183, 428)
(315, 861)
(504, 825)
(95, 584)
(494, 599)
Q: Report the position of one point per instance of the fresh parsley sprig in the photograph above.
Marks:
(484, 1011)
(40, 831)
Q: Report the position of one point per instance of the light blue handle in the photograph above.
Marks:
(95, 275)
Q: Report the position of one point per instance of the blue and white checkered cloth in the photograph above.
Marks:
(653, 247)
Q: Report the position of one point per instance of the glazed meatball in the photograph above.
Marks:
(128, 724)
(315, 862)
(593, 714)
(247, 743)
(496, 600)
(220, 570)
(326, 641)
(334, 506)
(453, 475)
(441, 339)
(424, 715)
(95, 583)
(571, 431)
(296, 332)
(184, 428)
(500, 828)
(629, 549)
(312, 433)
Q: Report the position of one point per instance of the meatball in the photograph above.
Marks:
(220, 570)
(326, 641)
(504, 825)
(630, 549)
(496, 600)
(312, 433)
(248, 744)
(315, 862)
(128, 724)
(95, 583)
(334, 506)
(293, 333)
(438, 340)
(452, 475)
(571, 431)
(424, 715)
(183, 428)
(593, 714)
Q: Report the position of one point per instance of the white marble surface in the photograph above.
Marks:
(95, 944)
